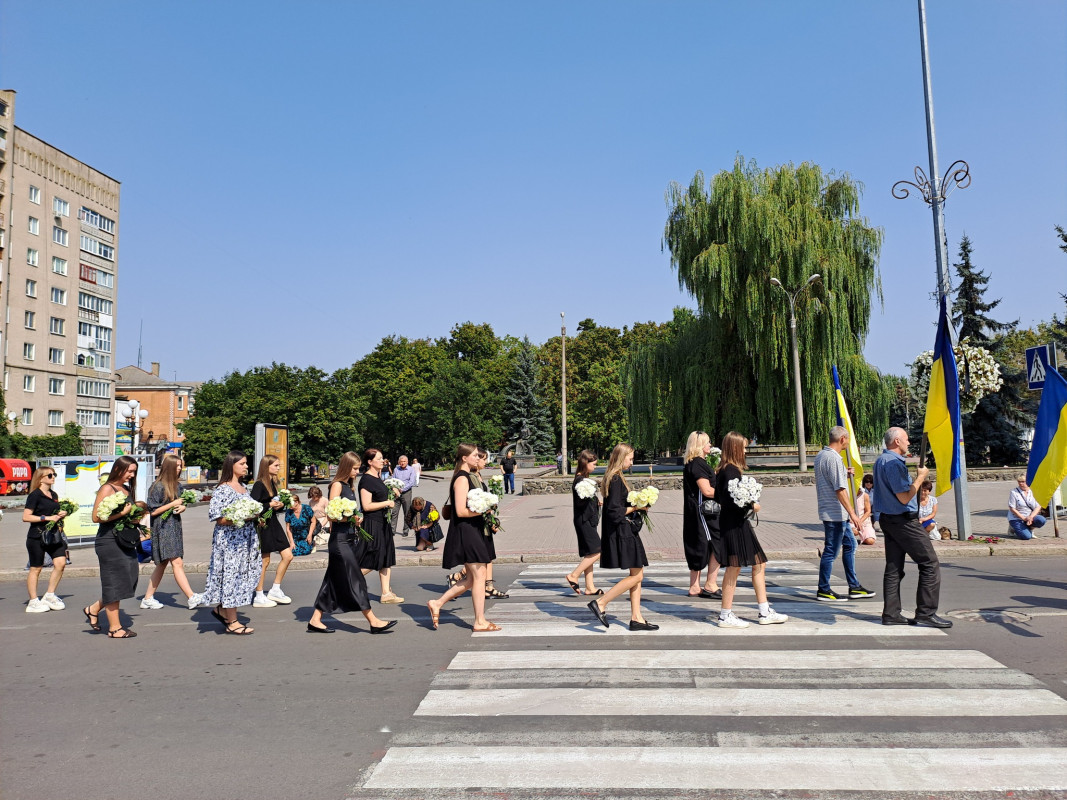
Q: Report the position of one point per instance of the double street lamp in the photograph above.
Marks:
(802, 445)
(135, 416)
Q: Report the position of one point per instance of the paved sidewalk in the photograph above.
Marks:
(539, 528)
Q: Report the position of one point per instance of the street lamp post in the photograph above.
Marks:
(802, 445)
(563, 384)
(132, 412)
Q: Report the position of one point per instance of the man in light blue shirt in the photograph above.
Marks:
(409, 476)
(895, 499)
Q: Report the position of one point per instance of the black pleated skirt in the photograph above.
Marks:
(343, 586)
(379, 553)
(741, 548)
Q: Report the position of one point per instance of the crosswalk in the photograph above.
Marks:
(893, 714)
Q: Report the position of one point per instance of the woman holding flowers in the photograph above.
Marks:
(235, 558)
(44, 511)
(380, 553)
(272, 536)
(478, 483)
(343, 586)
(423, 519)
(467, 543)
(166, 502)
(117, 554)
(740, 546)
(622, 547)
(586, 521)
(700, 532)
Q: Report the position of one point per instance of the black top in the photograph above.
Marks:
(262, 494)
(615, 503)
(379, 492)
(732, 515)
(586, 510)
(509, 465)
(696, 469)
(41, 505)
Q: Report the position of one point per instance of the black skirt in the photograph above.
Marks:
(702, 541)
(466, 543)
(588, 540)
(741, 548)
(118, 566)
(380, 553)
(343, 586)
(622, 549)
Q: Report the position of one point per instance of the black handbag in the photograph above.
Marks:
(434, 533)
(128, 537)
(710, 508)
(637, 522)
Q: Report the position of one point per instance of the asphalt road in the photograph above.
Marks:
(185, 712)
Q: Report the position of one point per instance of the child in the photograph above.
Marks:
(865, 534)
(928, 510)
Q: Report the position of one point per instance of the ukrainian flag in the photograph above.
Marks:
(1048, 453)
(942, 423)
(853, 452)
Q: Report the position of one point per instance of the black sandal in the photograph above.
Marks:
(454, 578)
(492, 591)
(216, 612)
(241, 630)
(92, 619)
(120, 633)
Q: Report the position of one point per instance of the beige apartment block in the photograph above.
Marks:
(60, 223)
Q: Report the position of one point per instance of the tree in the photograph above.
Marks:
(729, 366)
(970, 312)
(525, 416)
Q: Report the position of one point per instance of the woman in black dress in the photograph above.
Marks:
(343, 586)
(272, 535)
(586, 521)
(467, 542)
(621, 546)
(740, 546)
(117, 554)
(42, 508)
(700, 532)
(380, 553)
(477, 483)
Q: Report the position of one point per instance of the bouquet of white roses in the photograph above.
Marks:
(285, 497)
(187, 498)
(64, 505)
(496, 485)
(395, 487)
(133, 520)
(714, 457)
(341, 509)
(585, 488)
(240, 512)
(482, 502)
(111, 504)
(745, 492)
(642, 500)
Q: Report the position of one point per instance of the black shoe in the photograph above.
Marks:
(642, 626)
(313, 629)
(933, 621)
(383, 628)
(705, 594)
(897, 620)
(859, 593)
(600, 615)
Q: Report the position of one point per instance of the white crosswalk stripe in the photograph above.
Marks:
(888, 718)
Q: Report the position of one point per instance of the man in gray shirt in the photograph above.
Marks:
(835, 511)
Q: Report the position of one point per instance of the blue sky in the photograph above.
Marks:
(302, 179)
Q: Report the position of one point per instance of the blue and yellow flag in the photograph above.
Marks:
(852, 455)
(1048, 453)
(942, 423)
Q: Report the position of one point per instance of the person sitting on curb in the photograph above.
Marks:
(1023, 510)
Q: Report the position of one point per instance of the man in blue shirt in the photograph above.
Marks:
(895, 499)
(409, 477)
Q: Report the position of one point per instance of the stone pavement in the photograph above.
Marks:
(539, 528)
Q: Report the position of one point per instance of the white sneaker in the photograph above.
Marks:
(772, 617)
(731, 620)
(151, 602)
(262, 601)
(53, 602)
(278, 596)
(35, 606)
(195, 600)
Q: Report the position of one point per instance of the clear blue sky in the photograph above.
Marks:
(301, 179)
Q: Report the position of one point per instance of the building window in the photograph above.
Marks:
(88, 388)
(55, 419)
(3, 109)
(103, 362)
(35, 195)
(35, 226)
(90, 302)
(29, 383)
(97, 248)
(90, 418)
(29, 320)
(96, 220)
(56, 385)
(101, 447)
(61, 208)
(59, 236)
(31, 256)
(29, 351)
(59, 296)
(181, 402)
(57, 325)
(31, 288)
(59, 265)
(27, 416)
(55, 355)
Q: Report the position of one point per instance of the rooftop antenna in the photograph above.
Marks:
(140, 339)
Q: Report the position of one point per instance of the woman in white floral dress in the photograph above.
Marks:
(235, 557)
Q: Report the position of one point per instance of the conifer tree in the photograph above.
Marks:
(525, 416)
(970, 311)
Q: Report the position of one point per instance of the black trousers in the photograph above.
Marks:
(906, 537)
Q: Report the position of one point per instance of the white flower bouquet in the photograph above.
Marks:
(133, 519)
(482, 502)
(496, 485)
(341, 509)
(714, 457)
(643, 500)
(285, 497)
(585, 488)
(111, 504)
(395, 487)
(745, 492)
(64, 505)
(241, 511)
(187, 498)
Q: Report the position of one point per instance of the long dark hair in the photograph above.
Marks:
(462, 451)
(232, 458)
(368, 456)
(585, 458)
(344, 466)
(118, 469)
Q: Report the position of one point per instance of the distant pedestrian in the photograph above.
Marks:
(406, 475)
(415, 465)
(427, 531)
(318, 505)
(559, 462)
(586, 521)
(116, 551)
(835, 511)
(895, 498)
(621, 546)
(507, 469)
(701, 538)
(865, 533)
(42, 510)
(272, 535)
(168, 542)
(300, 526)
(379, 554)
(1024, 512)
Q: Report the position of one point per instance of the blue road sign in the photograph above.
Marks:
(1037, 364)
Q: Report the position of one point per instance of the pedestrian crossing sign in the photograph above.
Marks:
(1037, 364)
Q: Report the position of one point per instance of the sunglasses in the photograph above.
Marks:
(49, 475)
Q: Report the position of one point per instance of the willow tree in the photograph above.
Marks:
(729, 365)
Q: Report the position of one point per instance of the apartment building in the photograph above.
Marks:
(60, 227)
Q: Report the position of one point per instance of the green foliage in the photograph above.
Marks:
(525, 416)
(970, 311)
(31, 448)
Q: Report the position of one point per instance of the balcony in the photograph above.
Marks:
(89, 316)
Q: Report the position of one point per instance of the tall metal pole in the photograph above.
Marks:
(563, 385)
(802, 446)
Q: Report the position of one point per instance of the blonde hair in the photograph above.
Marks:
(733, 451)
(168, 475)
(263, 473)
(348, 462)
(618, 455)
(38, 476)
(694, 445)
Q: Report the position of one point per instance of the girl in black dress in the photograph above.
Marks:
(42, 507)
(740, 546)
(621, 546)
(380, 553)
(466, 542)
(586, 521)
(343, 586)
(272, 535)
(118, 558)
(700, 533)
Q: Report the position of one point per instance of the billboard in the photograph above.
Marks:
(273, 440)
(78, 478)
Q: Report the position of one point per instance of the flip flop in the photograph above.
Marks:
(488, 629)
(573, 585)
(595, 593)
(435, 617)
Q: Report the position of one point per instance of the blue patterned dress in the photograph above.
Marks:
(235, 564)
(299, 525)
